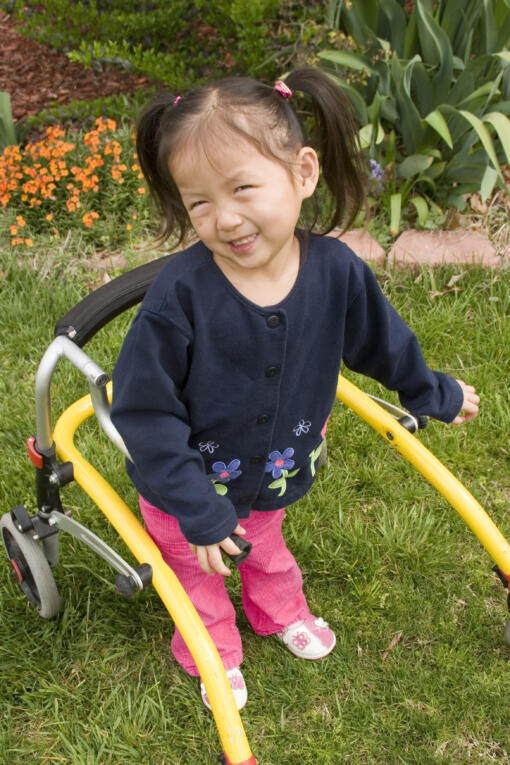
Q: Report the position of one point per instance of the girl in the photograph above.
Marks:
(229, 371)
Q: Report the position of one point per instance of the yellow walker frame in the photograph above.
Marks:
(23, 534)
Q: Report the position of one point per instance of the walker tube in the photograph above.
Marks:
(431, 468)
(180, 608)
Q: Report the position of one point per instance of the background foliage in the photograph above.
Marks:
(430, 83)
(429, 79)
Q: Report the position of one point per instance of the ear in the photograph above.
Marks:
(307, 171)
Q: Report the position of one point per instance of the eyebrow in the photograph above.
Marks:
(235, 178)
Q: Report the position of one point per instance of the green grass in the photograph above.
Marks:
(381, 552)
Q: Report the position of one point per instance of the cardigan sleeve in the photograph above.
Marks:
(378, 343)
(153, 420)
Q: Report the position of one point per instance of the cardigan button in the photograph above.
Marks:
(271, 371)
(273, 321)
(263, 419)
(255, 460)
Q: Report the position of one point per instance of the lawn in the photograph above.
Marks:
(381, 552)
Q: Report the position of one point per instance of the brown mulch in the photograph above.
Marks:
(38, 76)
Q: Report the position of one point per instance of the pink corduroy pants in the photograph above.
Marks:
(272, 585)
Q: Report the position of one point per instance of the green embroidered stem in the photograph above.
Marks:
(314, 456)
(281, 483)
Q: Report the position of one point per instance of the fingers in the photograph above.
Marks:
(209, 556)
(470, 405)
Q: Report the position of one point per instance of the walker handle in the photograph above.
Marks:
(243, 545)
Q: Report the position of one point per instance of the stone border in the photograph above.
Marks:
(429, 248)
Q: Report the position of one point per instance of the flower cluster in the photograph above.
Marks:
(60, 182)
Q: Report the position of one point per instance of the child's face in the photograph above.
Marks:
(243, 205)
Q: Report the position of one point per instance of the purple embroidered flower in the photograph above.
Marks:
(224, 472)
(279, 461)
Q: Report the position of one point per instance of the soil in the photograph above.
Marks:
(38, 76)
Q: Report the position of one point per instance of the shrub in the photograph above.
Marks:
(90, 181)
(430, 82)
(177, 43)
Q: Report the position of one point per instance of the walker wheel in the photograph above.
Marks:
(30, 568)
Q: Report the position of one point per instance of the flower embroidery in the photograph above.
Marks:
(208, 446)
(278, 462)
(303, 426)
(314, 456)
(224, 473)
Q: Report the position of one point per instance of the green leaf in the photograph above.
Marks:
(437, 51)
(414, 165)
(488, 182)
(7, 130)
(438, 123)
(483, 135)
(490, 33)
(504, 55)
(421, 208)
(397, 24)
(368, 134)
(501, 125)
(346, 59)
(221, 489)
(395, 208)
(365, 136)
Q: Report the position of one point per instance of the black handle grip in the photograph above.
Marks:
(243, 545)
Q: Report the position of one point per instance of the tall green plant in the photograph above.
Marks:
(432, 94)
(7, 129)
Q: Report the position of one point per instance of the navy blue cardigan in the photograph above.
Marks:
(221, 402)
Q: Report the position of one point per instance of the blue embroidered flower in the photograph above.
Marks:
(279, 461)
(224, 472)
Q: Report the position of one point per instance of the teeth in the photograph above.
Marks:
(238, 242)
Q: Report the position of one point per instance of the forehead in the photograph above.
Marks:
(197, 162)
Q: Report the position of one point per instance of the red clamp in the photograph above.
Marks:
(35, 457)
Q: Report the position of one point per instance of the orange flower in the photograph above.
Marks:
(13, 230)
(29, 242)
(141, 190)
(20, 221)
(88, 218)
(129, 227)
(49, 216)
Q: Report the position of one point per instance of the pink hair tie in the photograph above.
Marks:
(283, 89)
(176, 100)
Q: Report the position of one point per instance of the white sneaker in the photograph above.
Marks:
(311, 638)
(237, 684)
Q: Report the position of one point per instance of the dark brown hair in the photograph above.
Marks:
(243, 107)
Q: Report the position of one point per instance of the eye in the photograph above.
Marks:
(193, 205)
(243, 188)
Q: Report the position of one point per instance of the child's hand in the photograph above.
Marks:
(209, 556)
(469, 406)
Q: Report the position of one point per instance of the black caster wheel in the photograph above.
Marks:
(31, 568)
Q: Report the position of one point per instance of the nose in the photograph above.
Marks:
(227, 218)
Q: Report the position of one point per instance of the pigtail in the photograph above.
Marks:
(336, 141)
(151, 133)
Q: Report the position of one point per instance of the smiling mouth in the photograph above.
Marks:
(244, 240)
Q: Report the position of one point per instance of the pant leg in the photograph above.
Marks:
(207, 593)
(272, 583)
